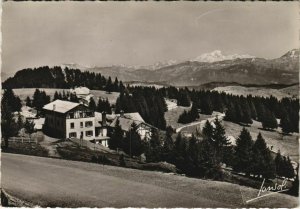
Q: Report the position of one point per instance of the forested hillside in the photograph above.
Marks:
(56, 77)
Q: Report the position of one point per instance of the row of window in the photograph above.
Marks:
(74, 134)
(80, 115)
(87, 124)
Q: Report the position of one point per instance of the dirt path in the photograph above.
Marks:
(47, 143)
(202, 122)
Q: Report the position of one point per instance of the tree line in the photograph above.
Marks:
(238, 109)
(56, 77)
(204, 156)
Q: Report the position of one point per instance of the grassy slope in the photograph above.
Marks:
(75, 184)
(288, 144)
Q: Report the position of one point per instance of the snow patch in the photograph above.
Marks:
(217, 55)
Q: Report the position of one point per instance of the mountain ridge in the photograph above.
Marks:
(242, 69)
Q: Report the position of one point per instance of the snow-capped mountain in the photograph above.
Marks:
(158, 65)
(217, 55)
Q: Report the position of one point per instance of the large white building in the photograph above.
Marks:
(66, 119)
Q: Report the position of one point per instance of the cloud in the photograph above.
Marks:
(207, 13)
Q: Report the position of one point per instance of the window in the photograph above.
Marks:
(71, 115)
(88, 123)
(81, 124)
(89, 133)
(72, 135)
(81, 115)
(72, 125)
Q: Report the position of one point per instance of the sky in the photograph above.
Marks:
(142, 33)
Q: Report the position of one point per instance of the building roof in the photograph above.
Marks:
(127, 120)
(80, 90)
(60, 106)
(133, 116)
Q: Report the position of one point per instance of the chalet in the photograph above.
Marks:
(83, 94)
(66, 119)
(126, 120)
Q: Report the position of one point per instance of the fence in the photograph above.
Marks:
(22, 140)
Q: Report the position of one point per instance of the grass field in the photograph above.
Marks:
(260, 91)
(79, 184)
(287, 144)
(172, 116)
(23, 93)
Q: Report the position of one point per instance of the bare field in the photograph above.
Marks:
(23, 93)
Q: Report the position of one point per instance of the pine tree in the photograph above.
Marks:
(243, 152)
(56, 96)
(289, 169)
(116, 140)
(133, 145)
(269, 121)
(279, 164)
(208, 130)
(220, 140)
(262, 163)
(92, 104)
(231, 114)
(168, 146)
(28, 102)
(153, 151)
(286, 124)
(9, 127)
(11, 100)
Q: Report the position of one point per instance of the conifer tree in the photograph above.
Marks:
(28, 102)
(220, 140)
(286, 124)
(262, 161)
(116, 140)
(153, 151)
(208, 130)
(269, 121)
(9, 127)
(92, 104)
(168, 146)
(243, 152)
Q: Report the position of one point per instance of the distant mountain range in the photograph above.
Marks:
(212, 67)
(209, 68)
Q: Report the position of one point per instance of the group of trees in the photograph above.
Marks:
(194, 156)
(72, 97)
(103, 105)
(10, 122)
(204, 156)
(239, 109)
(56, 77)
(39, 99)
(145, 100)
(254, 157)
(189, 116)
(131, 143)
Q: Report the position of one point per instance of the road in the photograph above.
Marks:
(61, 183)
(202, 122)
